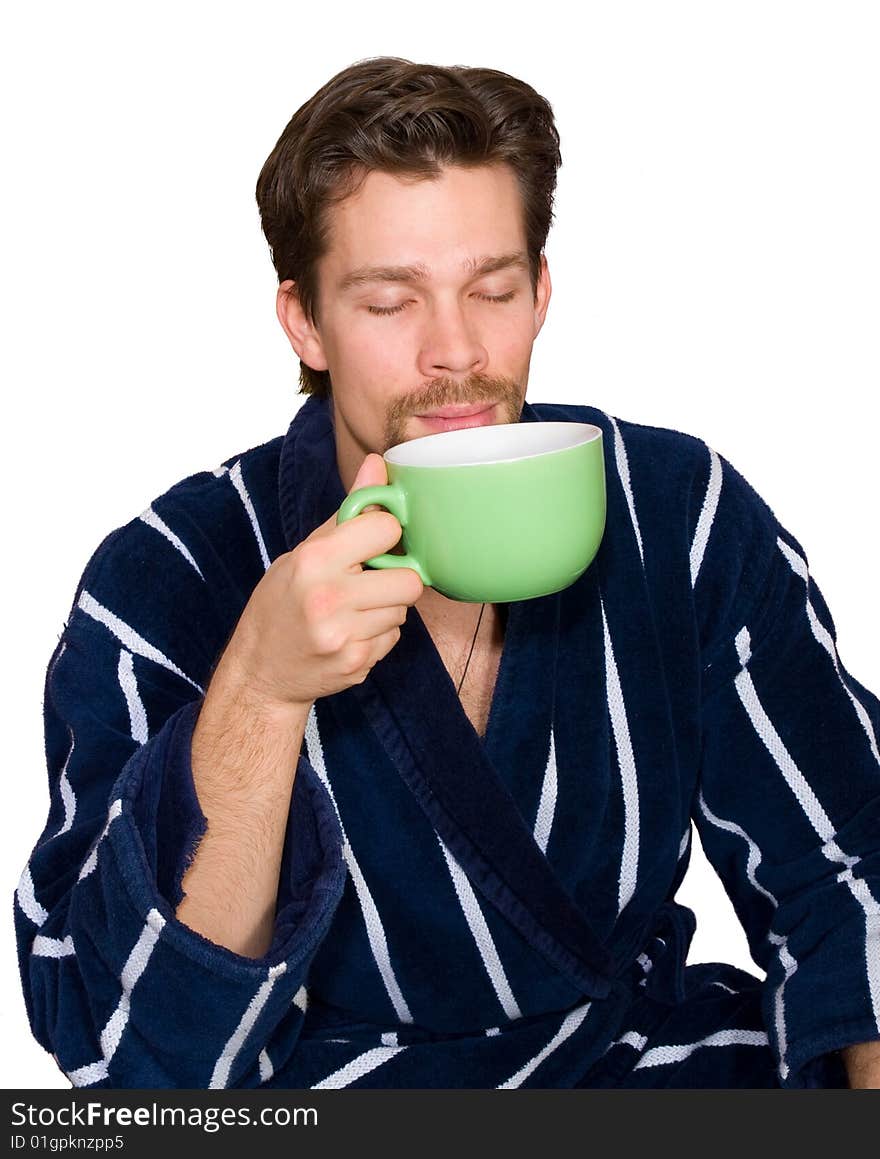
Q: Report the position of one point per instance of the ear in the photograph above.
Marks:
(302, 333)
(543, 290)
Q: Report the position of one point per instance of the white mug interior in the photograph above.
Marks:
(498, 443)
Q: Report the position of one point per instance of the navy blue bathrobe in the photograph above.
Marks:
(458, 911)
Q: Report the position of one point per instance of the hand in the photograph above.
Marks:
(862, 1063)
(318, 621)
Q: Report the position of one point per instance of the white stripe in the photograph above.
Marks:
(27, 899)
(84, 1076)
(860, 890)
(238, 483)
(128, 683)
(372, 920)
(790, 965)
(872, 945)
(799, 566)
(222, 1067)
(68, 796)
(780, 942)
(131, 972)
(629, 860)
(857, 886)
(358, 1067)
(111, 1035)
(153, 520)
(128, 636)
(92, 860)
(376, 936)
(795, 779)
(389, 1038)
(754, 857)
(266, 1068)
(817, 817)
(482, 936)
(620, 458)
(55, 662)
(547, 806)
(52, 947)
(301, 999)
(140, 955)
(572, 1021)
(664, 1055)
(707, 515)
(491, 1031)
(727, 988)
(685, 840)
(631, 1038)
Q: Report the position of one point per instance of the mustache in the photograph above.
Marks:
(443, 392)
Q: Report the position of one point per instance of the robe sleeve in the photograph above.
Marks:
(116, 988)
(788, 802)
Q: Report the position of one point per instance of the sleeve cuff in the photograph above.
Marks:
(162, 824)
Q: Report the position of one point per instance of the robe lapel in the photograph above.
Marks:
(410, 702)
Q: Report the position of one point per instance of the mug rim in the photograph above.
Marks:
(591, 432)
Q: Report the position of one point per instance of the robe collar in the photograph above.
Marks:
(436, 750)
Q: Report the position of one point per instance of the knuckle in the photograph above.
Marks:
(311, 555)
(329, 640)
(358, 658)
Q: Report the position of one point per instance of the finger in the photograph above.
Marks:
(385, 588)
(383, 644)
(354, 542)
(371, 473)
(372, 624)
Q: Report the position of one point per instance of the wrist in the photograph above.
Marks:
(862, 1062)
(234, 682)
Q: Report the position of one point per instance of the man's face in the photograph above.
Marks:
(424, 302)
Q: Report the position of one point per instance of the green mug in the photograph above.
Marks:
(492, 514)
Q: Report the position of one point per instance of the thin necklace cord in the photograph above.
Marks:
(473, 642)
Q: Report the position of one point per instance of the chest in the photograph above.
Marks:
(481, 671)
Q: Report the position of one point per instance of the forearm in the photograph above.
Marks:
(244, 758)
(862, 1063)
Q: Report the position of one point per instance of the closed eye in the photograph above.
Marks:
(386, 310)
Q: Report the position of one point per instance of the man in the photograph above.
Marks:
(315, 825)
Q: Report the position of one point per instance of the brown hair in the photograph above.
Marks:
(395, 116)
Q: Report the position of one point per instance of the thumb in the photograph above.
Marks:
(371, 473)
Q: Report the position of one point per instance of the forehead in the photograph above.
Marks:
(440, 222)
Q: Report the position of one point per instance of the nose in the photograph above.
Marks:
(450, 343)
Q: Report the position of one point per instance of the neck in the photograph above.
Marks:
(439, 607)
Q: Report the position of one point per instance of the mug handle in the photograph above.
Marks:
(390, 496)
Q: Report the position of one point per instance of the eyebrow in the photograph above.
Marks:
(476, 267)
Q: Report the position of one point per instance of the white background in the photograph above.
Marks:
(715, 268)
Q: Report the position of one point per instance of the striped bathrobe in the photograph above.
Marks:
(457, 911)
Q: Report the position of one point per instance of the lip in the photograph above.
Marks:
(455, 418)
